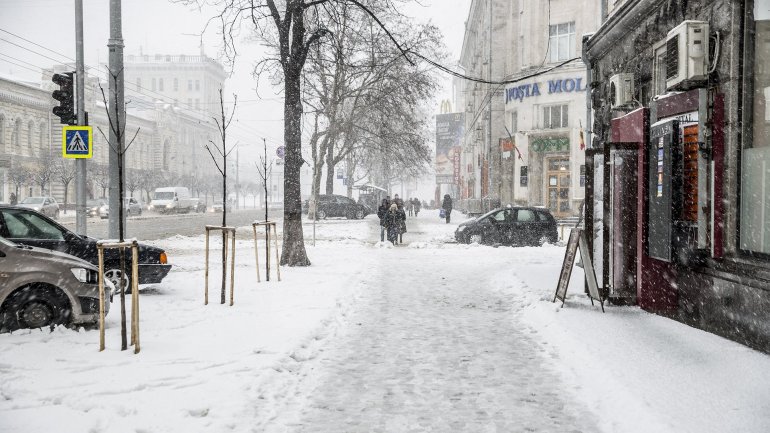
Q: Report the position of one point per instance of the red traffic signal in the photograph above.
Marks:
(66, 97)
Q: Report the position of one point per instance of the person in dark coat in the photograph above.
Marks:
(393, 223)
(417, 206)
(13, 199)
(382, 212)
(402, 225)
(447, 206)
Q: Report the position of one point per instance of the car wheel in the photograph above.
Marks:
(360, 214)
(114, 275)
(543, 240)
(321, 214)
(476, 238)
(37, 307)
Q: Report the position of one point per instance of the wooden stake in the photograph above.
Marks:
(256, 249)
(101, 298)
(135, 296)
(277, 258)
(232, 271)
(206, 300)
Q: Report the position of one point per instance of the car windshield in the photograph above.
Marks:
(162, 195)
(32, 200)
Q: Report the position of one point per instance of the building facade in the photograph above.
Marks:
(168, 147)
(531, 143)
(679, 162)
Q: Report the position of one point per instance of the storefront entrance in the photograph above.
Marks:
(558, 184)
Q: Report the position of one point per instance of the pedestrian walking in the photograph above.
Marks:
(382, 213)
(410, 207)
(447, 206)
(417, 206)
(13, 199)
(393, 223)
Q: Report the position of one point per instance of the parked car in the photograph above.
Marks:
(45, 205)
(31, 228)
(40, 287)
(332, 205)
(218, 206)
(510, 226)
(131, 205)
(174, 199)
(93, 206)
(199, 205)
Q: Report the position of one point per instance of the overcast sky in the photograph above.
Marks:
(160, 27)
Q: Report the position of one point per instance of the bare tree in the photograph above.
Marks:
(64, 172)
(18, 175)
(42, 172)
(292, 29)
(222, 124)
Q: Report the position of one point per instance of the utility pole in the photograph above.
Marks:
(491, 101)
(80, 164)
(237, 179)
(117, 113)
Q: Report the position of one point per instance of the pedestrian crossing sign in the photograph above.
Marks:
(77, 142)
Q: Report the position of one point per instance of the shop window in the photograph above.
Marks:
(556, 116)
(561, 41)
(755, 166)
(524, 176)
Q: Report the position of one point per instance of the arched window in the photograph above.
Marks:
(16, 138)
(43, 139)
(2, 133)
(30, 129)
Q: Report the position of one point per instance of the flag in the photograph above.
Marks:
(582, 138)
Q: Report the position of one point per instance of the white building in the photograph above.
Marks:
(543, 106)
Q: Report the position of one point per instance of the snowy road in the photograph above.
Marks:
(427, 350)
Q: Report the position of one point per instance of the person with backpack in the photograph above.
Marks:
(446, 205)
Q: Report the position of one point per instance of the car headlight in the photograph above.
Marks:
(85, 275)
(37, 208)
(460, 229)
(150, 207)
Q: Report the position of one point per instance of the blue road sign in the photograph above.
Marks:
(77, 142)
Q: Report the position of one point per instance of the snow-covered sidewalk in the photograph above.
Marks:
(428, 336)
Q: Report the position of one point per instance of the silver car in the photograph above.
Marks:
(40, 288)
(45, 205)
(131, 206)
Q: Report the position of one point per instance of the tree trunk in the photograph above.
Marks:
(330, 169)
(293, 253)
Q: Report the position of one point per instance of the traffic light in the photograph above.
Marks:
(65, 95)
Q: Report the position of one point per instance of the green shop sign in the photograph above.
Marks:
(547, 145)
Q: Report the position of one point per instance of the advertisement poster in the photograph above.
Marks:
(449, 134)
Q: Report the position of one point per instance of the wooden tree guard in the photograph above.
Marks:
(134, 245)
(227, 231)
(268, 225)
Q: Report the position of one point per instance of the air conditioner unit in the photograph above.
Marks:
(687, 48)
(621, 90)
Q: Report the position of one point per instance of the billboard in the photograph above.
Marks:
(450, 129)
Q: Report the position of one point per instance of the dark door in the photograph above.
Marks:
(623, 196)
(525, 227)
(502, 227)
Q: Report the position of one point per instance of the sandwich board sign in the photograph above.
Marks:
(577, 239)
(77, 142)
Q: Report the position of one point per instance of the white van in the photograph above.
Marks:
(171, 199)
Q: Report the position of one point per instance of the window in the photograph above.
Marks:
(154, 84)
(2, 133)
(561, 41)
(524, 176)
(755, 166)
(514, 122)
(503, 215)
(556, 116)
(160, 84)
(197, 85)
(42, 139)
(189, 84)
(27, 225)
(525, 215)
(30, 129)
(138, 83)
(197, 104)
(583, 175)
(176, 84)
